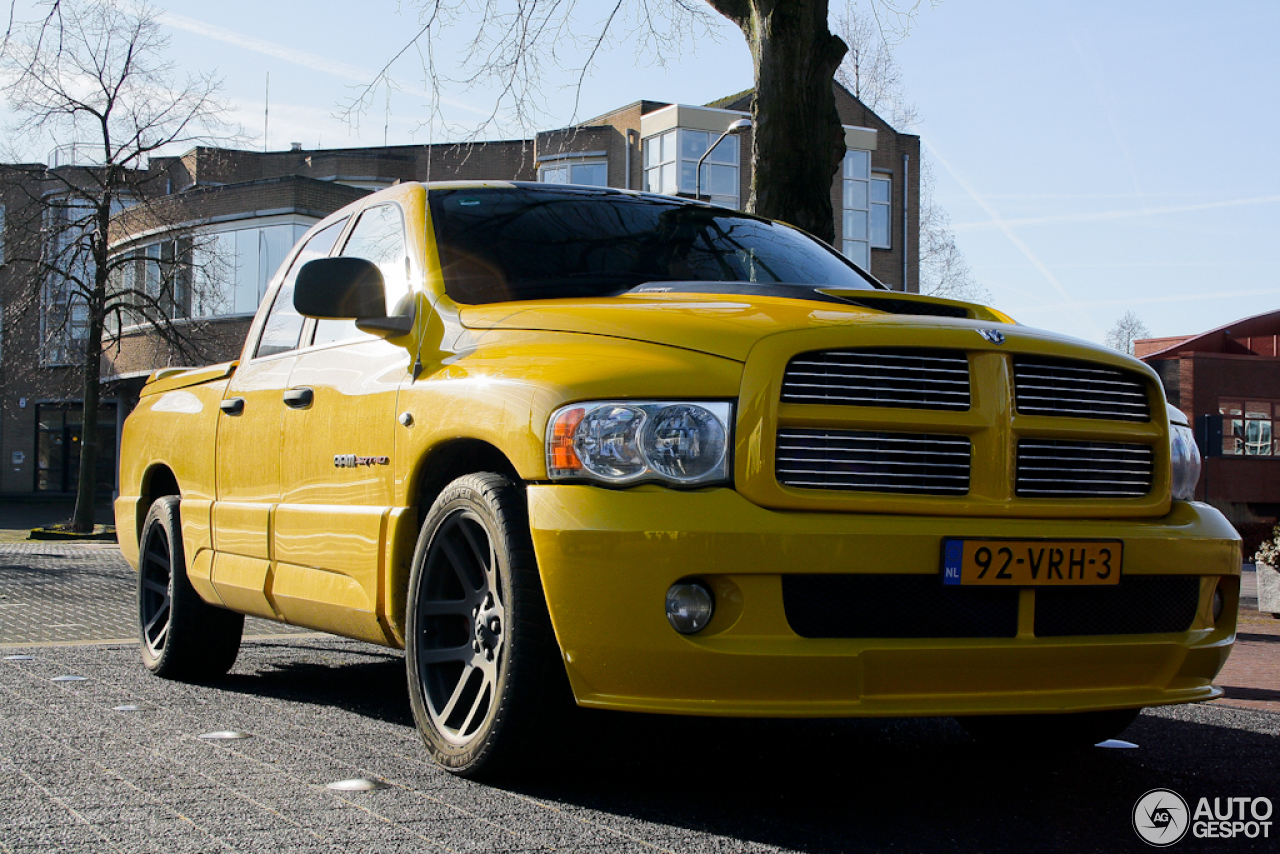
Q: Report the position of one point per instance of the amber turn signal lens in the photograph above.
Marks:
(563, 457)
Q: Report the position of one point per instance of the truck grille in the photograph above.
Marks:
(916, 463)
(1052, 468)
(919, 606)
(896, 606)
(914, 379)
(1078, 390)
(1139, 605)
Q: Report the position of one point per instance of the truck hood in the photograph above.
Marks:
(726, 325)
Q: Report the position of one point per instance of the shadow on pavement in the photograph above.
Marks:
(852, 785)
(373, 687)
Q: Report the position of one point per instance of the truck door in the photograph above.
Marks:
(339, 435)
(249, 443)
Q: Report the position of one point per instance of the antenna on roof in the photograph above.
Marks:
(266, 114)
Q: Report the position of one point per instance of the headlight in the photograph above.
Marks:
(628, 441)
(1184, 462)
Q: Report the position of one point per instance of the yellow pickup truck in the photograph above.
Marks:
(671, 458)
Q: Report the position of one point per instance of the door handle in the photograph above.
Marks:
(232, 405)
(298, 398)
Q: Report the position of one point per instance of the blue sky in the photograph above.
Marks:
(1094, 157)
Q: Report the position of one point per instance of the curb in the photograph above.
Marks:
(101, 533)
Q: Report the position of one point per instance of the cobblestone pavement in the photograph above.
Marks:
(116, 763)
(73, 593)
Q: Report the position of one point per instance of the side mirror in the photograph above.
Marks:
(346, 288)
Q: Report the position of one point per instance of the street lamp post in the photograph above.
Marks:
(736, 127)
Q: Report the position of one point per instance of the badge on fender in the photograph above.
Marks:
(350, 461)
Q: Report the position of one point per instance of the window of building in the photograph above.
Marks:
(671, 160)
(1248, 428)
(64, 316)
(377, 237)
(589, 173)
(231, 269)
(856, 208)
(151, 281)
(283, 327)
(58, 431)
(881, 202)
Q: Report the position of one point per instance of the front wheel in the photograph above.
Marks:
(1051, 731)
(480, 652)
(182, 636)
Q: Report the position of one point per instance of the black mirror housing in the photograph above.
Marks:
(347, 288)
(340, 288)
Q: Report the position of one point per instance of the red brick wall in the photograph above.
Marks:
(1208, 377)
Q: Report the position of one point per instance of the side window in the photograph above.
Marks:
(377, 237)
(283, 327)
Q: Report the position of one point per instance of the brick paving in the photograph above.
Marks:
(1251, 678)
(79, 775)
(53, 592)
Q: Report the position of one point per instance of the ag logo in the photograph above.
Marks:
(1160, 817)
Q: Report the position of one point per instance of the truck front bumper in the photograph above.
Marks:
(608, 557)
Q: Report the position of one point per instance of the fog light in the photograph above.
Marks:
(689, 607)
(1219, 604)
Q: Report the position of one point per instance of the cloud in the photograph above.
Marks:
(296, 57)
(1005, 227)
(1168, 298)
(1101, 216)
(302, 58)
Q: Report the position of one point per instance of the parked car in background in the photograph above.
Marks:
(668, 457)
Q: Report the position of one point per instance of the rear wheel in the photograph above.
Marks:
(1074, 729)
(182, 636)
(481, 655)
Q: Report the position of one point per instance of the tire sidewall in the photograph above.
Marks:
(471, 496)
(164, 514)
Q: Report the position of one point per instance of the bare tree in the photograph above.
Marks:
(797, 140)
(91, 76)
(1128, 329)
(869, 69)
(873, 75)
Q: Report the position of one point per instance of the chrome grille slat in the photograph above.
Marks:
(1079, 390)
(1078, 469)
(910, 379)
(909, 463)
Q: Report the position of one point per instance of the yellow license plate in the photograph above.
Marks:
(1031, 563)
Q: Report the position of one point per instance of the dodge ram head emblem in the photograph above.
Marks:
(993, 335)
(350, 461)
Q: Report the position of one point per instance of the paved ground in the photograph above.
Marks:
(79, 773)
(53, 592)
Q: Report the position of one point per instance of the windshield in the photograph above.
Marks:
(519, 243)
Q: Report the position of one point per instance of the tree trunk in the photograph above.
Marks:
(798, 143)
(87, 483)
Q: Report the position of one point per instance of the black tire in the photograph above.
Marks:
(181, 636)
(1051, 731)
(483, 664)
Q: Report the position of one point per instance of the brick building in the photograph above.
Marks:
(1227, 381)
(234, 215)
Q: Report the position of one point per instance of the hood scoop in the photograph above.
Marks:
(891, 302)
(897, 305)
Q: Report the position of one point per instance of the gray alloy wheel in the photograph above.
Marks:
(479, 647)
(181, 636)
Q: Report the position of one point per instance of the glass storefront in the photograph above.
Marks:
(58, 431)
